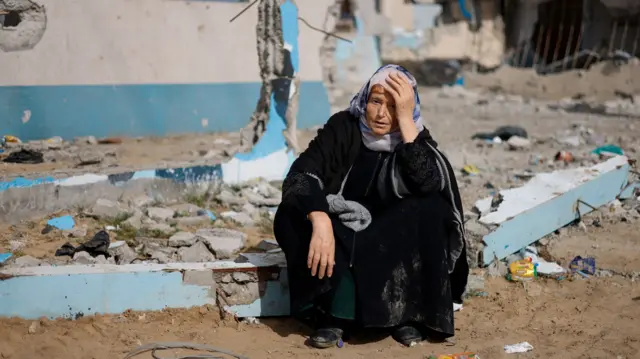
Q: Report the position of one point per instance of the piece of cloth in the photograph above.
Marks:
(358, 108)
(25, 156)
(401, 261)
(351, 213)
(96, 246)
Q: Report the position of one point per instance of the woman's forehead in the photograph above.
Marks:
(378, 89)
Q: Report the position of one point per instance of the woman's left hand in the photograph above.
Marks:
(402, 92)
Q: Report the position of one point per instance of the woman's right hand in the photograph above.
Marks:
(322, 248)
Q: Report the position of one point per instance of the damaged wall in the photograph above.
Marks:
(147, 67)
(452, 38)
(22, 24)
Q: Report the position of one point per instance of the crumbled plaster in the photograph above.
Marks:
(28, 33)
(272, 56)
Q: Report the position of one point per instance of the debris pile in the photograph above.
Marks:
(142, 229)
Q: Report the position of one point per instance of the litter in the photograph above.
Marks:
(583, 266)
(608, 150)
(96, 246)
(25, 156)
(64, 223)
(518, 348)
(465, 355)
(504, 133)
(522, 270)
(4, 257)
(470, 170)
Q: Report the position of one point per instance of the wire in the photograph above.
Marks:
(153, 347)
(299, 18)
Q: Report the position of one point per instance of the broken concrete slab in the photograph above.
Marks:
(223, 242)
(148, 287)
(547, 202)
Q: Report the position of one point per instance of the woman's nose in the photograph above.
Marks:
(381, 111)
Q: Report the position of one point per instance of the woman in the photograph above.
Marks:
(370, 221)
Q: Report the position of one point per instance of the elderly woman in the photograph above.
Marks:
(370, 221)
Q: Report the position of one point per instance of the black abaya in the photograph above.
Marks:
(401, 262)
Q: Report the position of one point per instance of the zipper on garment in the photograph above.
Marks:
(373, 176)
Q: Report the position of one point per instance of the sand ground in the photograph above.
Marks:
(594, 317)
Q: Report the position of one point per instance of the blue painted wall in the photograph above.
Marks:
(142, 110)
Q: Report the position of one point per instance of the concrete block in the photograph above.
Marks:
(547, 202)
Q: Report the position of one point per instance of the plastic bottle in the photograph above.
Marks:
(522, 270)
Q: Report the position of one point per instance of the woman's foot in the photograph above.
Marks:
(406, 335)
(326, 338)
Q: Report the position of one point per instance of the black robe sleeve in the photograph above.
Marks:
(412, 169)
(305, 186)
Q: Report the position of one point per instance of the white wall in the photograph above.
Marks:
(151, 41)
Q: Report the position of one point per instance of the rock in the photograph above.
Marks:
(197, 253)
(160, 214)
(241, 218)
(475, 283)
(182, 239)
(33, 327)
(163, 228)
(160, 253)
(77, 232)
(122, 253)
(89, 157)
(143, 241)
(134, 221)
(106, 209)
(192, 221)
(518, 143)
(186, 209)
(571, 141)
(229, 199)
(26, 261)
(241, 277)
(101, 259)
(476, 229)
(258, 200)
(83, 258)
(237, 294)
(141, 201)
(226, 278)
(266, 190)
(250, 209)
(86, 140)
(267, 245)
(223, 242)
(497, 269)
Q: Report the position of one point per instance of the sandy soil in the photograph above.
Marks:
(587, 318)
(595, 318)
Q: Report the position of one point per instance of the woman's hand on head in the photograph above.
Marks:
(404, 97)
(322, 248)
(402, 92)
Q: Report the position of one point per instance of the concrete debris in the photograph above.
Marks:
(186, 209)
(106, 209)
(26, 261)
(122, 253)
(84, 258)
(160, 214)
(547, 202)
(182, 239)
(223, 242)
(197, 253)
(241, 218)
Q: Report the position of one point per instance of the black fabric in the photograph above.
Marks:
(98, 245)
(25, 156)
(399, 262)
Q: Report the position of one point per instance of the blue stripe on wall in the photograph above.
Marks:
(142, 110)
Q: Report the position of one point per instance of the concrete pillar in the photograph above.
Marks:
(272, 130)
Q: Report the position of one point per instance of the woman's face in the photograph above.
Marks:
(381, 111)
